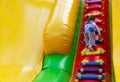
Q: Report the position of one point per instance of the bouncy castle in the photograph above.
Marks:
(43, 41)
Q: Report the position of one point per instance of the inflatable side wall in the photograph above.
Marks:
(59, 31)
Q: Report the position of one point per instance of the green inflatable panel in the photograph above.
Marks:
(55, 75)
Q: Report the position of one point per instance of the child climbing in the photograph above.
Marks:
(89, 33)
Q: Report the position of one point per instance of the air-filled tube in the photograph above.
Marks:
(59, 30)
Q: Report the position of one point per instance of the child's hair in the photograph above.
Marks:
(90, 18)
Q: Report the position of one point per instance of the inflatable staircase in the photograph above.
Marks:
(94, 66)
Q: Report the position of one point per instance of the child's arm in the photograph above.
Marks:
(97, 28)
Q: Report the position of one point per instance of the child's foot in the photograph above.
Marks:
(90, 48)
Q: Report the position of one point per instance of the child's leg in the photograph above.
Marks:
(86, 39)
(90, 48)
(91, 40)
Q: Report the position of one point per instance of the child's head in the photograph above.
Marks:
(91, 18)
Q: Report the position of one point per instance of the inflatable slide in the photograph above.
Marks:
(43, 41)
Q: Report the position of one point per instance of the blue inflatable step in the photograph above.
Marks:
(85, 70)
(92, 63)
(89, 77)
(99, 41)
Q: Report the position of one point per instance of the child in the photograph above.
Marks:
(89, 33)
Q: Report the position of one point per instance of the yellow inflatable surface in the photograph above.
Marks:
(116, 37)
(22, 25)
(21, 29)
(59, 31)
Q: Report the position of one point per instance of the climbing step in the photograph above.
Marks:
(98, 21)
(94, 1)
(92, 63)
(94, 14)
(99, 51)
(86, 70)
(99, 41)
(89, 77)
(93, 6)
